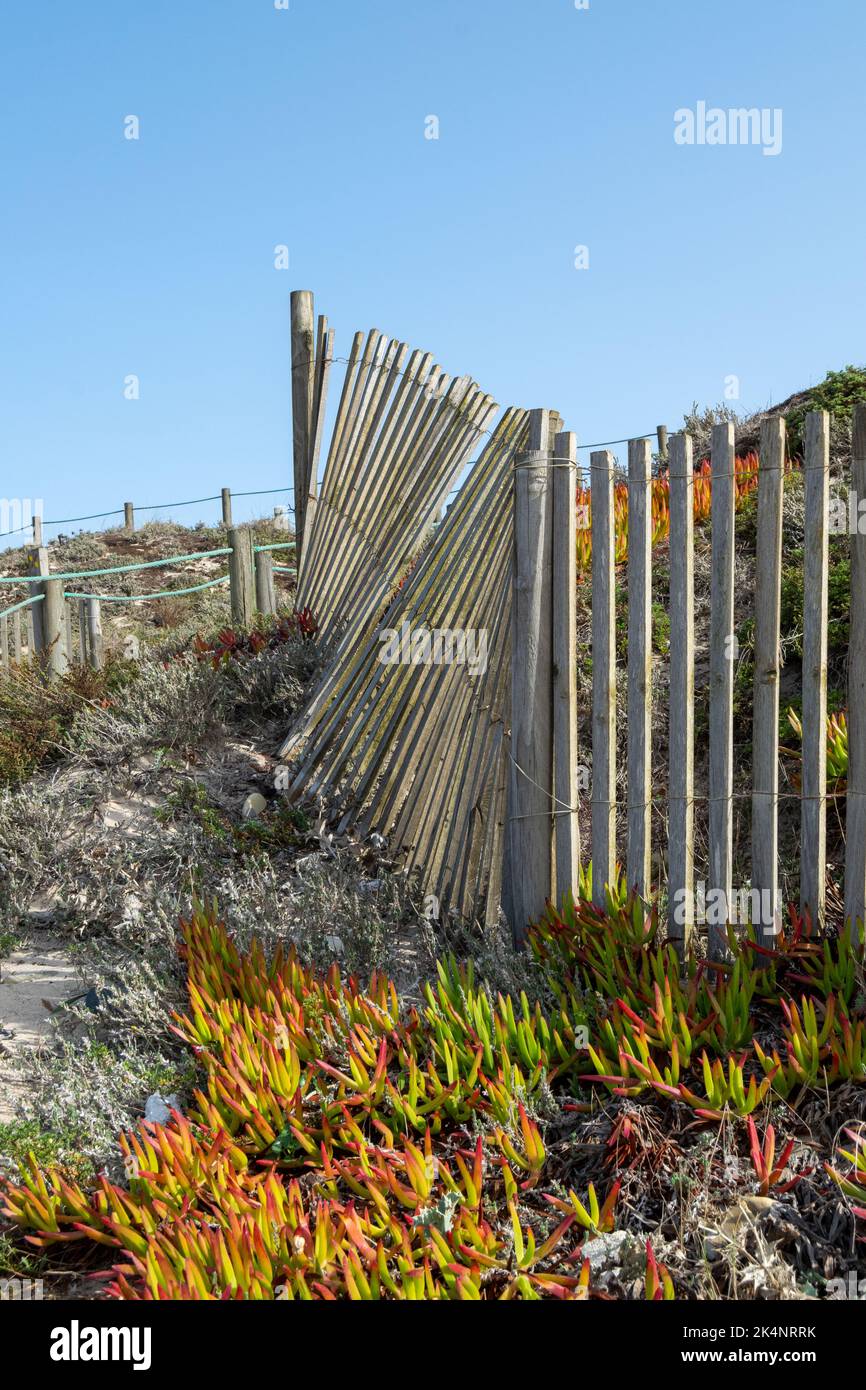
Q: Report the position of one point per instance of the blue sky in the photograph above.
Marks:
(306, 127)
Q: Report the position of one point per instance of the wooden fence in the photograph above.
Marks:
(473, 779)
(543, 708)
(470, 767)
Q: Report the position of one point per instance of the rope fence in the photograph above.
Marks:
(250, 578)
(130, 508)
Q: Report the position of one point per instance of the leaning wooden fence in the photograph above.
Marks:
(472, 778)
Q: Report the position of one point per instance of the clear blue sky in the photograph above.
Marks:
(306, 127)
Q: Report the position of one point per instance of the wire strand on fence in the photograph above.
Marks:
(154, 507)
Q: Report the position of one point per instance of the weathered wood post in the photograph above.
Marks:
(303, 379)
(723, 655)
(855, 836)
(128, 516)
(601, 468)
(662, 436)
(37, 530)
(49, 625)
(227, 507)
(17, 645)
(765, 702)
(95, 645)
(4, 643)
(564, 597)
(241, 575)
(82, 631)
(816, 578)
(638, 857)
(531, 801)
(266, 599)
(67, 630)
(681, 817)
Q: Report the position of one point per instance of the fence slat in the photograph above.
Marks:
(601, 467)
(765, 706)
(531, 802)
(813, 810)
(565, 757)
(681, 821)
(855, 838)
(639, 665)
(4, 644)
(722, 657)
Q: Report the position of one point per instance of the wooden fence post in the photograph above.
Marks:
(49, 626)
(681, 817)
(765, 705)
(17, 645)
(266, 599)
(855, 836)
(241, 575)
(4, 644)
(816, 576)
(564, 598)
(638, 860)
(128, 516)
(95, 646)
(662, 436)
(67, 630)
(531, 785)
(303, 378)
(723, 654)
(82, 631)
(603, 675)
(37, 530)
(227, 507)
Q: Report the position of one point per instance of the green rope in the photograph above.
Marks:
(143, 598)
(118, 569)
(25, 603)
(280, 545)
(284, 569)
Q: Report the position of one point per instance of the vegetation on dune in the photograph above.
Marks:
(339, 1145)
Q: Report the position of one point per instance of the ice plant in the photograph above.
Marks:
(853, 1183)
(598, 1220)
(763, 1154)
(658, 1285)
